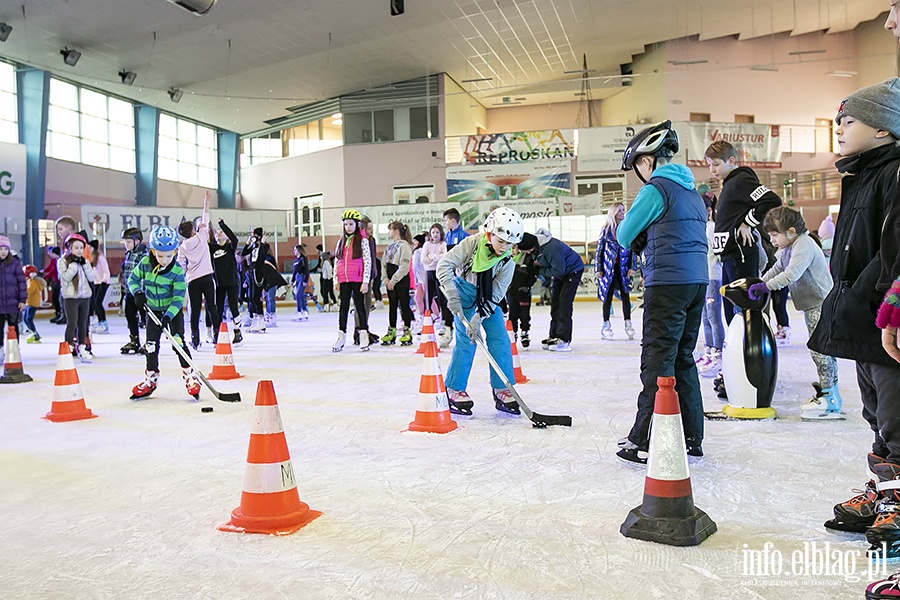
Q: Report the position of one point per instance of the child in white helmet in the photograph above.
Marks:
(474, 277)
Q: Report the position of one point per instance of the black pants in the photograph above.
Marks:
(131, 315)
(203, 288)
(734, 268)
(350, 290)
(327, 286)
(77, 318)
(519, 309)
(672, 316)
(7, 321)
(626, 299)
(229, 293)
(879, 390)
(176, 328)
(399, 296)
(562, 299)
(255, 297)
(54, 298)
(97, 300)
(433, 291)
(779, 306)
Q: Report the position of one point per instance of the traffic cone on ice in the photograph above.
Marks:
(667, 514)
(517, 366)
(270, 502)
(223, 367)
(12, 364)
(68, 401)
(433, 411)
(427, 333)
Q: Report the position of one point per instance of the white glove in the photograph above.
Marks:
(454, 303)
(473, 329)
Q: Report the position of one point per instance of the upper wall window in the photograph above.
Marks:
(9, 130)
(90, 127)
(259, 150)
(188, 152)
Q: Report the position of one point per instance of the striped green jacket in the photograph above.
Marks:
(165, 287)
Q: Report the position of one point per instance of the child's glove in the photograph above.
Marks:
(164, 321)
(473, 329)
(140, 300)
(454, 303)
(889, 311)
(757, 290)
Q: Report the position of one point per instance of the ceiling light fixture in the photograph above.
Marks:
(764, 67)
(175, 95)
(505, 103)
(579, 71)
(842, 73)
(477, 80)
(337, 115)
(127, 77)
(801, 52)
(5, 30)
(70, 57)
(198, 7)
(687, 62)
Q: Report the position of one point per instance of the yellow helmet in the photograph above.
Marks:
(351, 214)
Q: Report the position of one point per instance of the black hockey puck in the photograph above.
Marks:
(206, 409)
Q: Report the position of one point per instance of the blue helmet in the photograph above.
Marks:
(164, 239)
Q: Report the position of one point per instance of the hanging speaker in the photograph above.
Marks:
(396, 8)
(198, 7)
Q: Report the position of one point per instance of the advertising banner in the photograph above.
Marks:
(12, 189)
(112, 220)
(507, 182)
(601, 148)
(551, 145)
(756, 145)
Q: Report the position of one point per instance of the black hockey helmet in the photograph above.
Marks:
(658, 140)
(133, 233)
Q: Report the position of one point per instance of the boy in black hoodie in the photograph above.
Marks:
(864, 262)
(227, 282)
(743, 204)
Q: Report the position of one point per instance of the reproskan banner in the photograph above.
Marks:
(551, 145)
(756, 145)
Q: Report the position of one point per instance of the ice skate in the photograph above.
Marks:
(606, 333)
(406, 339)
(858, 513)
(133, 346)
(445, 337)
(460, 403)
(629, 330)
(632, 453)
(339, 343)
(713, 364)
(271, 320)
(196, 344)
(826, 406)
(33, 339)
(884, 534)
(238, 338)
(783, 336)
(524, 339)
(101, 327)
(247, 322)
(298, 316)
(146, 387)
(210, 336)
(562, 347)
(365, 340)
(356, 337)
(549, 342)
(84, 355)
(258, 324)
(884, 589)
(191, 382)
(504, 402)
(390, 337)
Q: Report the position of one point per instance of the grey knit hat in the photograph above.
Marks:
(877, 106)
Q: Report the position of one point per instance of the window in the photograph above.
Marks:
(90, 127)
(259, 150)
(188, 152)
(419, 126)
(700, 117)
(745, 118)
(9, 130)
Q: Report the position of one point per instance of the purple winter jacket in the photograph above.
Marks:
(12, 285)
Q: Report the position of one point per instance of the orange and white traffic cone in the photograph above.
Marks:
(517, 366)
(223, 367)
(433, 411)
(427, 333)
(12, 364)
(68, 401)
(270, 502)
(667, 514)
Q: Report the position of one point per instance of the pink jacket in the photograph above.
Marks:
(349, 269)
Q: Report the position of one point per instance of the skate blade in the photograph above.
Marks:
(826, 416)
(459, 412)
(717, 416)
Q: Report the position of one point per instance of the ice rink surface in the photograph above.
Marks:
(126, 505)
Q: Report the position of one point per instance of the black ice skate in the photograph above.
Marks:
(504, 402)
(459, 402)
(526, 341)
(133, 346)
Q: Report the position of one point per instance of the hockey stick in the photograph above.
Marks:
(223, 396)
(538, 420)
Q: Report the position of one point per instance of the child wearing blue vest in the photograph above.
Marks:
(667, 223)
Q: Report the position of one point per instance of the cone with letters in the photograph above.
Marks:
(433, 411)
(68, 401)
(667, 514)
(223, 367)
(427, 333)
(12, 364)
(270, 502)
(517, 366)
